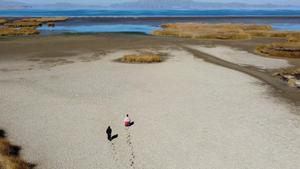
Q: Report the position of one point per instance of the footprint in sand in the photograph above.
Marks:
(132, 154)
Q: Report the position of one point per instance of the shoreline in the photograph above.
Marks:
(245, 45)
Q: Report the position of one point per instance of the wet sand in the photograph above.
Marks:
(58, 95)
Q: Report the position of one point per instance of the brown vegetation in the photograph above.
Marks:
(294, 37)
(18, 31)
(141, 58)
(13, 162)
(46, 19)
(27, 26)
(290, 75)
(10, 159)
(2, 21)
(289, 71)
(284, 49)
(221, 31)
(4, 146)
(211, 31)
(19, 24)
(290, 49)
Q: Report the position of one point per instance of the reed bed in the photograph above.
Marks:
(27, 26)
(19, 24)
(211, 31)
(46, 19)
(283, 49)
(7, 31)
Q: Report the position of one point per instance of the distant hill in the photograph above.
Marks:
(189, 4)
(6, 4)
(68, 6)
(143, 4)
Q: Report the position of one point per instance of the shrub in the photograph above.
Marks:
(4, 146)
(12, 162)
(45, 19)
(210, 31)
(18, 24)
(284, 49)
(141, 58)
(2, 21)
(18, 31)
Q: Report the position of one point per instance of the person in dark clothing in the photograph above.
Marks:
(108, 132)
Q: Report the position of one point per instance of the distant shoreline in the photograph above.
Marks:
(166, 17)
(150, 13)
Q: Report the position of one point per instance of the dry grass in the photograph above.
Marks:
(284, 49)
(294, 37)
(4, 146)
(18, 31)
(141, 58)
(9, 160)
(222, 31)
(289, 71)
(46, 19)
(268, 34)
(19, 24)
(211, 31)
(12, 162)
(27, 26)
(290, 49)
(2, 21)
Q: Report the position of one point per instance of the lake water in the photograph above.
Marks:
(145, 21)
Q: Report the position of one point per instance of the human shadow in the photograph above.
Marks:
(114, 137)
(2, 133)
(109, 134)
(131, 123)
(31, 165)
(14, 150)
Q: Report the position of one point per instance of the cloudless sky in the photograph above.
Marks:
(284, 2)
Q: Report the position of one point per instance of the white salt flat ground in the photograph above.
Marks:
(188, 114)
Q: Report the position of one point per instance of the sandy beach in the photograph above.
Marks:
(58, 95)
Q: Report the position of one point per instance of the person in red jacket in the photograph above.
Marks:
(127, 121)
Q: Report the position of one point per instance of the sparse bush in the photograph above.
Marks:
(27, 26)
(2, 21)
(9, 156)
(141, 58)
(4, 146)
(12, 162)
(18, 31)
(210, 31)
(285, 49)
(45, 19)
(294, 37)
(19, 24)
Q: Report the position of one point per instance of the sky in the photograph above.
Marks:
(99, 2)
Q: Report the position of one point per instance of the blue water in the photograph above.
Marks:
(150, 13)
(146, 21)
(286, 27)
(147, 29)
